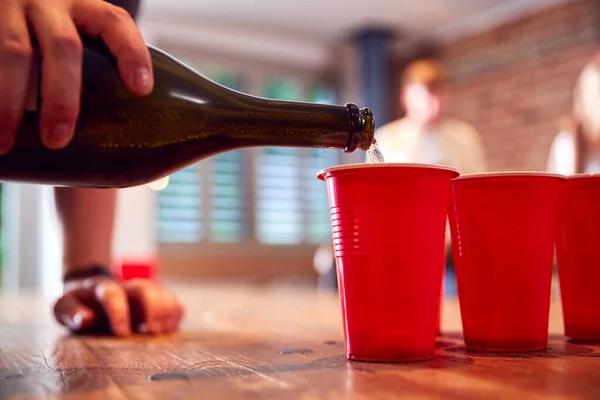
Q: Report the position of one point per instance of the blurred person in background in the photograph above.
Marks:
(93, 300)
(576, 148)
(424, 135)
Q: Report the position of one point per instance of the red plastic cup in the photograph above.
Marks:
(578, 256)
(439, 317)
(503, 228)
(139, 267)
(388, 224)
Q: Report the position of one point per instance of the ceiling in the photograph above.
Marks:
(302, 32)
(332, 19)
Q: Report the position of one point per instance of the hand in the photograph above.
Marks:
(55, 24)
(100, 304)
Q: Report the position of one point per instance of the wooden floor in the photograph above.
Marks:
(270, 343)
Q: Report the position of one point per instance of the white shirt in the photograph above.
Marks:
(450, 142)
(563, 151)
(562, 154)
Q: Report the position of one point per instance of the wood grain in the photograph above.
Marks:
(270, 343)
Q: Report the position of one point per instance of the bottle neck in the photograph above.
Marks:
(296, 124)
(265, 122)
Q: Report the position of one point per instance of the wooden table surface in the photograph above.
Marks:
(270, 343)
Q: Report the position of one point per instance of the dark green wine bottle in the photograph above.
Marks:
(122, 140)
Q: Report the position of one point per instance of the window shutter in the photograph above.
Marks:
(227, 203)
(227, 213)
(317, 204)
(279, 173)
(179, 212)
(210, 200)
(179, 206)
(279, 196)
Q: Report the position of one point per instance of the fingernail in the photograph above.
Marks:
(78, 320)
(60, 134)
(142, 328)
(142, 79)
(75, 322)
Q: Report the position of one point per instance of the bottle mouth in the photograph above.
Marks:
(368, 129)
(362, 128)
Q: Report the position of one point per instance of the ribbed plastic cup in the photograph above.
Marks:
(388, 224)
(578, 256)
(503, 229)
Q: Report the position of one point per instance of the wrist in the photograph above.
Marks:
(89, 271)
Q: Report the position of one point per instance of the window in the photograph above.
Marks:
(317, 204)
(180, 211)
(279, 177)
(213, 200)
(319, 227)
(179, 216)
(322, 93)
(227, 203)
(227, 216)
(292, 204)
(279, 196)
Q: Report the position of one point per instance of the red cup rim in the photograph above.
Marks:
(590, 175)
(321, 174)
(510, 174)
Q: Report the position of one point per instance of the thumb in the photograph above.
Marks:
(74, 315)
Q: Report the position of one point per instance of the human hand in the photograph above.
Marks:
(55, 25)
(100, 304)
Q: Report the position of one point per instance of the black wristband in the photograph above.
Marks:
(88, 272)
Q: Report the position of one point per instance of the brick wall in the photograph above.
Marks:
(514, 83)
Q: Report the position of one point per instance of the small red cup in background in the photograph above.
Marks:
(127, 268)
(578, 256)
(388, 223)
(503, 228)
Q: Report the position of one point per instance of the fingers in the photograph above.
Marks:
(120, 34)
(54, 25)
(62, 51)
(98, 303)
(145, 300)
(73, 314)
(15, 66)
(155, 307)
(172, 312)
(113, 300)
(177, 315)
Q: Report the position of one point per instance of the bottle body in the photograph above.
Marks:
(123, 140)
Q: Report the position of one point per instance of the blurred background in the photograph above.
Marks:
(258, 215)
